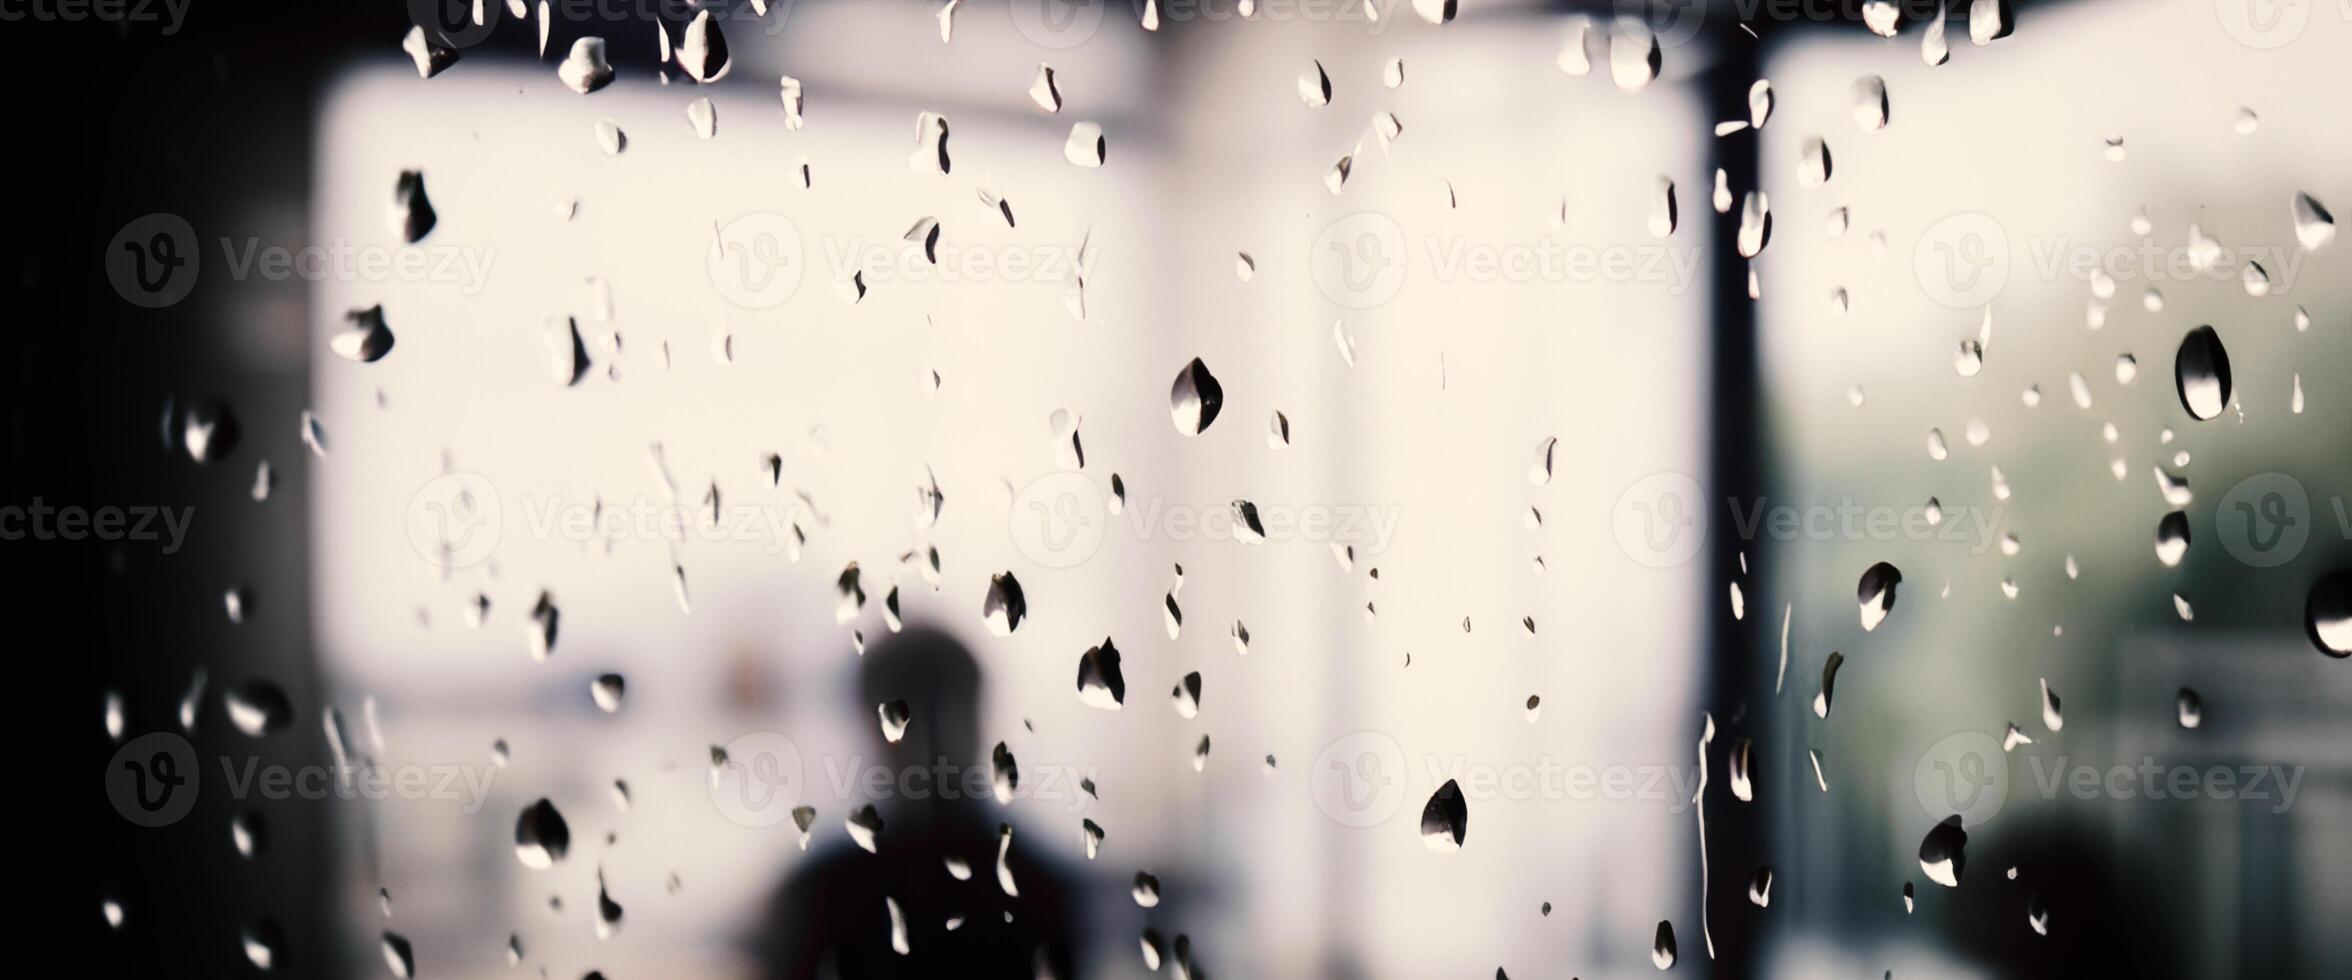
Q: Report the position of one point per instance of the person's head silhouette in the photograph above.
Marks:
(937, 680)
(832, 916)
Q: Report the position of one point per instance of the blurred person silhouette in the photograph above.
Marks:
(829, 918)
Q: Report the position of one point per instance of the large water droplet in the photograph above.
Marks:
(2201, 369)
(2314, 226)
(702, 51)
(410, 214)
(1005, 606)
(930, 155)
(1187, 695)
(608, 690)
(585, 70)
(1445, 819)
(399, 956)
(1876, 592)
(2327, 614)
(894, 717)
(365, 338)
(2172, 537)
(1195, 398)
(1870, 103)
(265, 944)
(431, 58)
(541, 836)
(1086, 146)
(1942, 853)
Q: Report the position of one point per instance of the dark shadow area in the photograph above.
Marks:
(832, 917)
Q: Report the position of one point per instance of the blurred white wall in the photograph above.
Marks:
(1211, 152)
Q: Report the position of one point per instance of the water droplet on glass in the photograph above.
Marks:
(248, 833)
(1989, 21)
(1813, 163)
(1146, 889)
(1662, 949)
(2172, 537)
(1445, 819)
(1187, 695)
(2327, 614)
(1195, 398)
(608, 912)
(1086, 146)
(264, 944)
(399, 956)
(2314, 226)
(541, 836)
(2201, 369)
(1829, 672)
(607, 690)
(584, 70)
(1314, 87)
(1633, 55)
(314, 434)
(702, 51)
(1876, 590)
(257, 708)
(1004, 774)
(1755, 227)
(410, 215)
(1942, 853)
(1869, 97)
(1760, 886)
(544, 618)
(864, 825)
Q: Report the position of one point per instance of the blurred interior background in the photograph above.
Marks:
(1809, 376)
